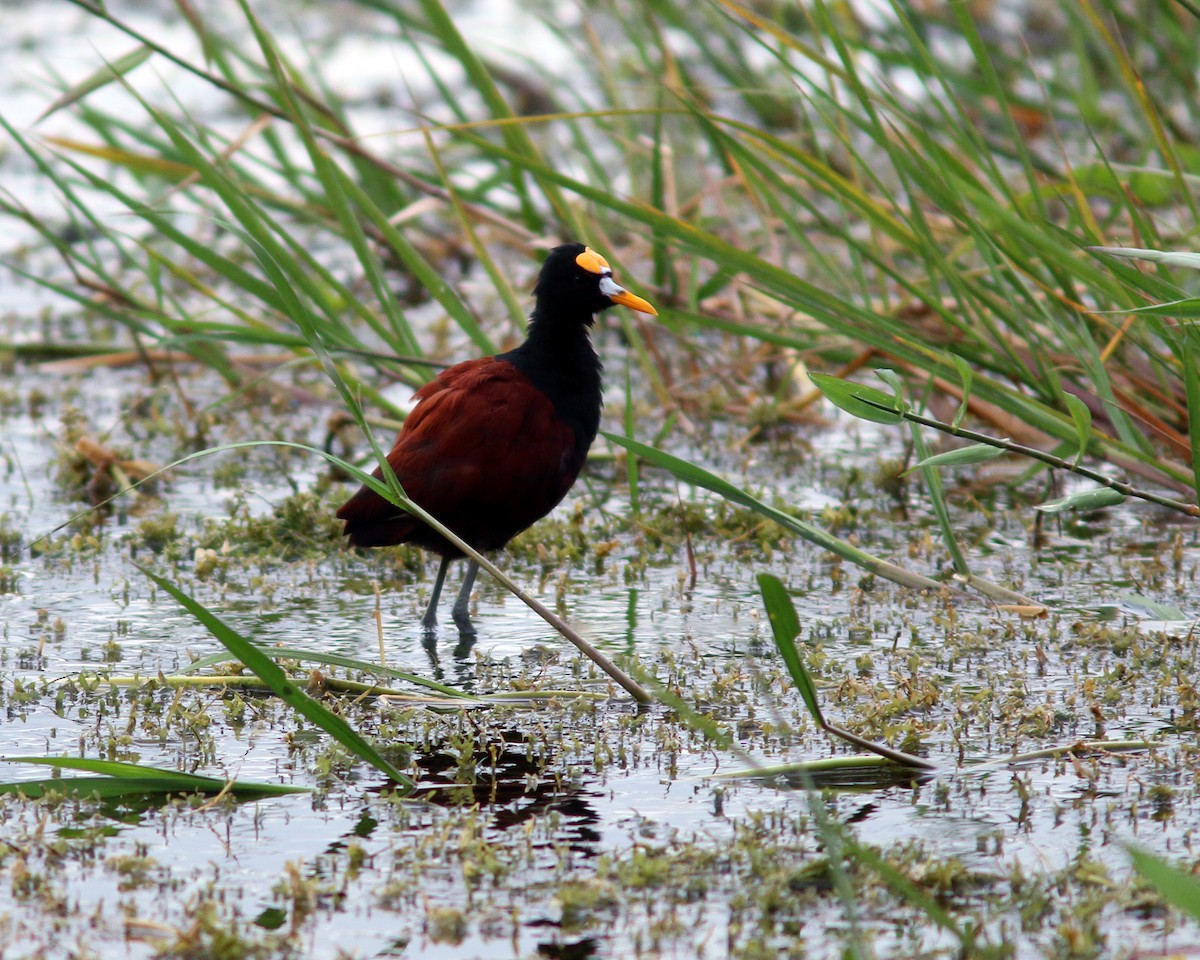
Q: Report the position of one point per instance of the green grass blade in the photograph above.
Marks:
(283, 686)
(698, 476)
(117, 779)
(335, 183)
(958, 457)
(911, 892)
(1081, 416)
(105, 75)
(331, 659)
(1178, 887)
(1084, 500)
(937, 499)
(631, 463)
(515, 135)
(967, 376)
(103, 788)
(1190, 356)
(785, 628)
(112, 768)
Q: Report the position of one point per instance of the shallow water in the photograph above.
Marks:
(647, 789)
(570, 795)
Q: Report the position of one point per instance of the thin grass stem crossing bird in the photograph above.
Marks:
(494, 444)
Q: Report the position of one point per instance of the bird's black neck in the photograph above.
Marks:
(558, 358)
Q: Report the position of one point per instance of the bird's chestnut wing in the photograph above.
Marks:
(483, 450)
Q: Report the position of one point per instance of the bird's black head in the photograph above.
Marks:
(576, 283)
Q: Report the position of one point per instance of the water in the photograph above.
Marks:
(590, 828)
(581, 785)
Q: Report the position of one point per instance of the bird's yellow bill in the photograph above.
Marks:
(633, 302)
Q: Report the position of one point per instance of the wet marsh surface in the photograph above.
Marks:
(578, 827)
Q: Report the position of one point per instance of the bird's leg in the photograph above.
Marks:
(461, 612)
(429, 621)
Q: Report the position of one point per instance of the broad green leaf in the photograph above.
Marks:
(974, 453)
(111, 768)
(1153, 608)
(105, 788)
(1095, 499)
(859, 400)
(785, 627)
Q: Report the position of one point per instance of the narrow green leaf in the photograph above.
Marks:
(1151, 187)
(282, 685)
(133, 161)
(333, 659)
(102, 77)
(858, 770)
(515, 135)
(967, 377)
(859, 400)
(1081, 416)
(164, 227)
(336, 184)
(1187, 307)
(1165, 257)
(631, 463)
(698, 476)
(1190, 355)
(103, 788)
(429, 277)
(892, 379)
(1095, 499)
(785, 627)
(112, 768)
(118, 779)
(306, 279)
(937, 497)
(973, 453)
(910, 891)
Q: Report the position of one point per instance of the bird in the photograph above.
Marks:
(494, 444)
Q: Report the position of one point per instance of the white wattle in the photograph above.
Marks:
(609, 287)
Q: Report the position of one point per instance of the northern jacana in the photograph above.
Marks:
(494, 444)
